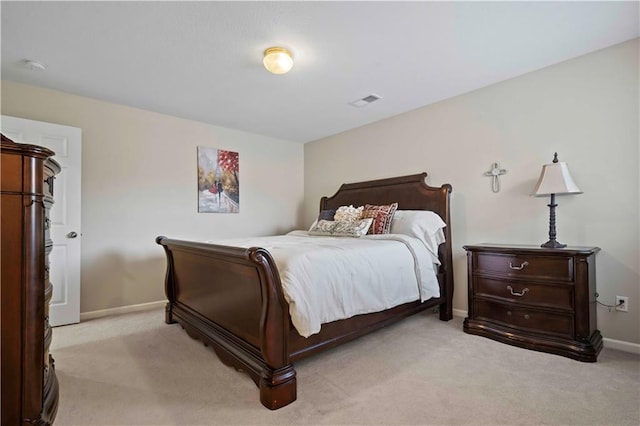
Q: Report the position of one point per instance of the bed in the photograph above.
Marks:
(232, 298)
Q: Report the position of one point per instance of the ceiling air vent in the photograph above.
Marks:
(365, 101)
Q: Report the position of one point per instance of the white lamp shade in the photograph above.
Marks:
(555, 179)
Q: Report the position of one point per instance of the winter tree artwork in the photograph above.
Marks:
(218, 184)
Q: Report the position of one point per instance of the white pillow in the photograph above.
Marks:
(425, 225)
(341, 229)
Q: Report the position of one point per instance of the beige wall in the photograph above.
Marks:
(586, 109)
(139, 181)
(139, 175)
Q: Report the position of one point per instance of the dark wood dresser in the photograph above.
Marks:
(29, 384)
(536, 298)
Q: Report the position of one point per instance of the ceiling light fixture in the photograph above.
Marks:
(277, 60)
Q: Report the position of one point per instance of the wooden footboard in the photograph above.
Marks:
(231, 298)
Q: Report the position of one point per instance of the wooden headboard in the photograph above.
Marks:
(411, 193)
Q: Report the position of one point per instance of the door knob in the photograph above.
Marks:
(72, 234)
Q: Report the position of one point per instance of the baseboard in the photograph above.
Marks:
(621, 345)
(618, 345)
(459, 313)
(85, 316)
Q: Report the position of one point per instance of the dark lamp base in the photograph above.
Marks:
(553, 244)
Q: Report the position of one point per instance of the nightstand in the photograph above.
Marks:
(536, 298)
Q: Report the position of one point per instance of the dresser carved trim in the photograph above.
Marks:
(29, 390)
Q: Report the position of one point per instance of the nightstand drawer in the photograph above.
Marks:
(525, 319)
(544, 295)
(556, 268)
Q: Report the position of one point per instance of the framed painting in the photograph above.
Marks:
(218, 184)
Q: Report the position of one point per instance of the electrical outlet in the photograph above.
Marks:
(622, 303)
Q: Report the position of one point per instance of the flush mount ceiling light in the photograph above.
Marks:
(277, 60)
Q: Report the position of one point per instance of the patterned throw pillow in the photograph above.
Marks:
(381, 215)
(341, 229)
(348, 214)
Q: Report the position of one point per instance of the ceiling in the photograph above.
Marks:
(203, 60)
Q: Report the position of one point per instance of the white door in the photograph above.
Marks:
(66, 232)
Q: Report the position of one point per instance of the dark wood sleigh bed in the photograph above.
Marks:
(231, 298)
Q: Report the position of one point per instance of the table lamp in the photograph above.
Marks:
(554, 180)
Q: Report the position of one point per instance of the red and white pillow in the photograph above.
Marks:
(382, 217)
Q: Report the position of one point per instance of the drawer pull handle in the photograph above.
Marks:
(527, 316)
(513, 293)
(518, 268)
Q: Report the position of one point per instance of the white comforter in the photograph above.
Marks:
(326, 279)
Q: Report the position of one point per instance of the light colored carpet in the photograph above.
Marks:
(134, 369)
